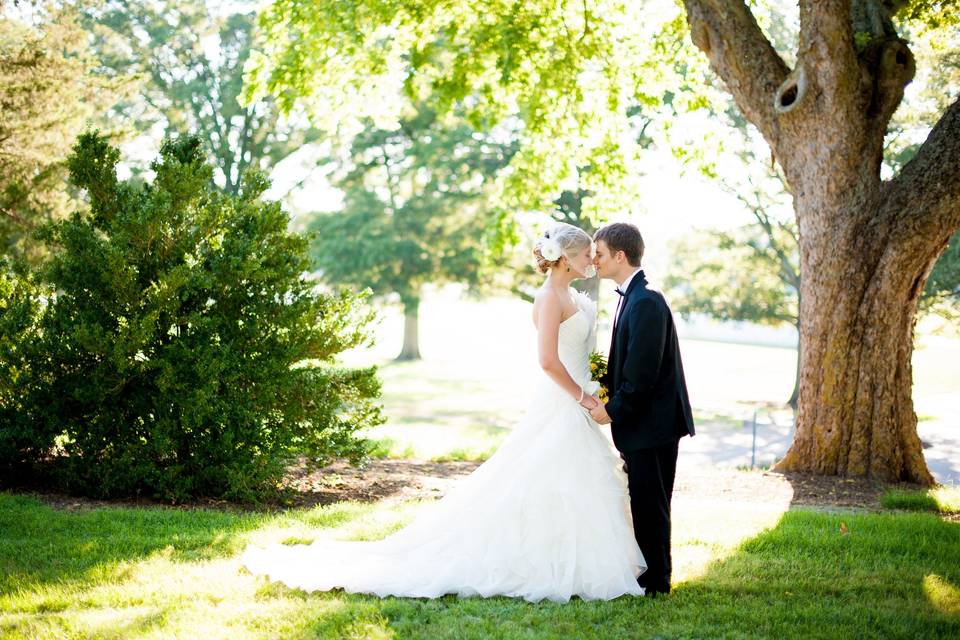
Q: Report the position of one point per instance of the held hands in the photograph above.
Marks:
(590, 403)
(599, 413)
(596, 408)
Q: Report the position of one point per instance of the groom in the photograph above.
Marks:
(648, 406)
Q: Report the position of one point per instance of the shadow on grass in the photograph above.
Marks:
(812, 575)
(801, 579)
(39, 544)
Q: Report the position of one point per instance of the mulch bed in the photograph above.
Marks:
(795, 488)
(406, 479)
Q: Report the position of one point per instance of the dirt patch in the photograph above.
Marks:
(795, 488)
(407, 479)
(404, 479)
(375, 481)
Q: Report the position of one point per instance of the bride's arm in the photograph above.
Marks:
(548, 334)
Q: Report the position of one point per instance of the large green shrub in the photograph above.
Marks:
(183, 351)
(20, 309)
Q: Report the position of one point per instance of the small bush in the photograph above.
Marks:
(183, 351)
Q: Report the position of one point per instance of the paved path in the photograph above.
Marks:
(725, 444)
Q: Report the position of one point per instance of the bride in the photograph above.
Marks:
(545, 517)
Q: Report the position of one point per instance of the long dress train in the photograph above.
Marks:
(545, 517)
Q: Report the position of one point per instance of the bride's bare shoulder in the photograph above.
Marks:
(546, 296)
(543, 293)
(546, 303)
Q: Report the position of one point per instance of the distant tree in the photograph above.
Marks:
(416, 211)
(941, 295)
(738, 275)
(50, 88)
(522, 278)
(190, 60)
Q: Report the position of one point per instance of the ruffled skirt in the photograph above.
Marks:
(546, 517)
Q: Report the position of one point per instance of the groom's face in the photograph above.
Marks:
(605, 263)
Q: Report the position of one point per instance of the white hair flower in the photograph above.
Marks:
(550, 249)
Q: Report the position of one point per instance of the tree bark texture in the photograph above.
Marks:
(866, 245)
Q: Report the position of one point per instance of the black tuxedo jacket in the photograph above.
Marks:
(648, 402)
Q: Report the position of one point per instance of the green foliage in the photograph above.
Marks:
(734, 275)
(51, 85)
(416, 207)
(574, 74)
(181, 351)
(930, 14)
(941, 295)
(935, 87)
(187, 87)
(571, 73)
(21, 306)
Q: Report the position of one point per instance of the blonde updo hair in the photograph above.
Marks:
(571, 240)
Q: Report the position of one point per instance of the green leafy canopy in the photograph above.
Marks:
(572, 74)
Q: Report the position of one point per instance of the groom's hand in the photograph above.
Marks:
(590, 403)
(599, 413)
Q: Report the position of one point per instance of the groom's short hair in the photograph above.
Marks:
(621, 236)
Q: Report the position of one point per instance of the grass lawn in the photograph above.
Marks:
(742, 571)
(758, 569)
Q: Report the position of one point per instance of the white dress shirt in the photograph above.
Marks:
(623, 287)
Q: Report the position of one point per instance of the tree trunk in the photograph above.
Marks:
(795, 395)
(855, 412)
(411, 330)
(866, 245)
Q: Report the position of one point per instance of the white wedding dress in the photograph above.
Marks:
(546, 517)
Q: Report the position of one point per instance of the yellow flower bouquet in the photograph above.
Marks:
(598, 369)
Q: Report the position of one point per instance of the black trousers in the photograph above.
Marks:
(650, 475)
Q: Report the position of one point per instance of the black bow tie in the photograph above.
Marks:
(620, 292)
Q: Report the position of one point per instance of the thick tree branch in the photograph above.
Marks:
(826, 33)
(827, 64)
(926, 193)
(855, 64)
(742, 56)
(893, 68)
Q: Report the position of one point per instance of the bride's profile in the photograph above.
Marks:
(545, 517)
